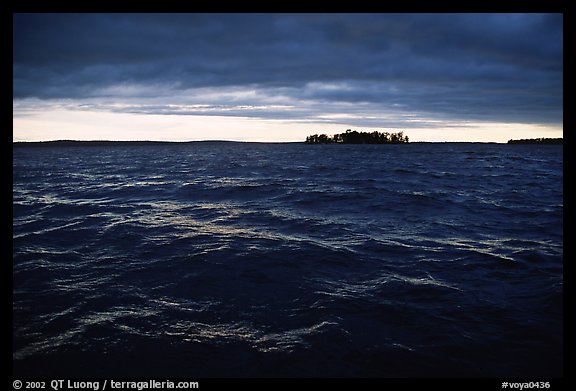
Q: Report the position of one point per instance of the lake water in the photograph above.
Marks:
(288, 260)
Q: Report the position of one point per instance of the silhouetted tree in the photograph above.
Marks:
(354, 137)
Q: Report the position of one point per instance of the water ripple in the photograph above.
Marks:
(224, 259)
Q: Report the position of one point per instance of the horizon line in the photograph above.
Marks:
(104, 141)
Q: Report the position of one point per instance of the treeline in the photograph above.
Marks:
(537, 141)
(355, 137)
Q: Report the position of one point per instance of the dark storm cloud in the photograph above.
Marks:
(474, 66)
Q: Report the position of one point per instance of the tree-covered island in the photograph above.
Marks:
(355, 137)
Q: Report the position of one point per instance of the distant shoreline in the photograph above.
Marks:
(80, 143)
(539, 141)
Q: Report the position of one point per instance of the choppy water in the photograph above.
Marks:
(229, 259)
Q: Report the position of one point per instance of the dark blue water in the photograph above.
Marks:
(228, 259)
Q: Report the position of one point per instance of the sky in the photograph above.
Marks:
(281, 77)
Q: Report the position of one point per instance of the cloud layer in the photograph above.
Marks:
(430, 67)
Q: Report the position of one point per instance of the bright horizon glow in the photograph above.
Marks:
(64, 124)
(282, 77)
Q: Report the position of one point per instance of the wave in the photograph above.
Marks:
(288, 260)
